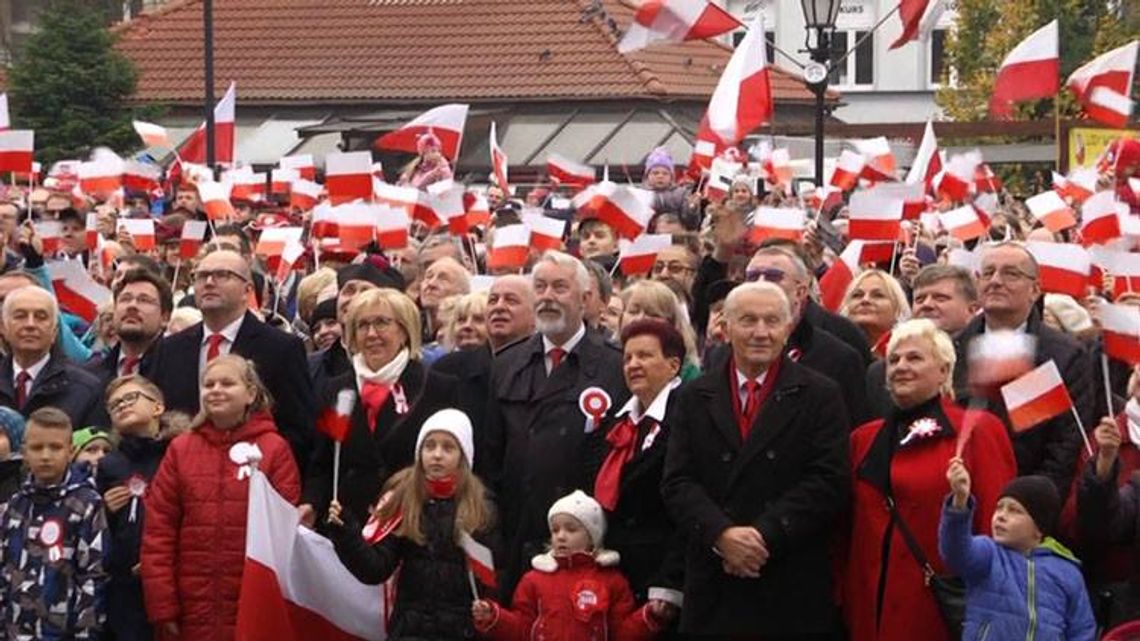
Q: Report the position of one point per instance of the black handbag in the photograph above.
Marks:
(949, 591)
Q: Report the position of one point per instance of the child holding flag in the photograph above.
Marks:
(436, 525)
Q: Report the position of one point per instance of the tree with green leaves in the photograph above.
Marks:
(70, 85)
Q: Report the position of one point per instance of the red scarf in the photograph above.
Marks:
(443, 488)
(622, 439)
(374, 395)
(745, 420)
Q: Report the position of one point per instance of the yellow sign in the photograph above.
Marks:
(1086, 144)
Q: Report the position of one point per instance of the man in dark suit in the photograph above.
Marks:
(536, 430)
(757, 472)
(1009, 286)
(222, 285)
(143, 303)
(32, 374)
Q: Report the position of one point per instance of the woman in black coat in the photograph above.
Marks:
(395, 394)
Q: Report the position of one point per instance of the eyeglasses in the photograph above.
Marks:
(672, 268)
(126, 400)
(1005, 274)
(127, 299)
(219, 275)
(770, 274)
(379, 323)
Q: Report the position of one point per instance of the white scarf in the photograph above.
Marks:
(386, 375)
(1132, 411)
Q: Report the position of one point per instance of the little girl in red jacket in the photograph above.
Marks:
(575, 591)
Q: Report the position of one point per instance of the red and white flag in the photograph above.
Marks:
(914, 15)
(1121, 331)
(1048, 208)
(833, 285)
(101, 175)
(215, 198)
(392, 225)
(626, 209)
(445, 121)
(1064, 267)
(348, 176)
(193, 150)
(303, 164)
(293, 586)
(414, 201)
(956, 181)
(778, 166)
(927, 160)
(446, 200)
(1123, 267)
(152, 135)
(336, 420)
(847, 170)
(1078, 186)
(478, 209)
(705, 148)
(356, 224)
(141, 231)
(638, 255)
(742, 100)
(1036, 397)
(193, 235)
(874, 216)
(281, 180)
(963, 223)
(1100, 218)
(721, 174)
(498, 162)
(91, 231)
(247, 186)
(878, 159)
(1104, 85)
(305, 194)
(273, 240)
(50, 233)
(545, 232)
(1031, 71)
(479, 560)
(510, 247)
(777, 222)
(75, 290)
(141, 177)
(657, 21)
(288, 260)
(16, 149)
(564, 171)
(324, 221)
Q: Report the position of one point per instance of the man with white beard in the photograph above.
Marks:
(536, 424)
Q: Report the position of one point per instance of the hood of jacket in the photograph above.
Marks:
(75, 478)
(258, 424)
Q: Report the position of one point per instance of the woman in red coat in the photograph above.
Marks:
(885, 597)
(193, 547)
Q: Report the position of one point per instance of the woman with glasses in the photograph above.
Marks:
(394, 394)
(876, 302)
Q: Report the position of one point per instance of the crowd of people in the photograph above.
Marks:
(703, 450)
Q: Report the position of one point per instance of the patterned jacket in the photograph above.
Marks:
(52, 573)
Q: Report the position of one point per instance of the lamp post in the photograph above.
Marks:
(208, 60)
(819, 16)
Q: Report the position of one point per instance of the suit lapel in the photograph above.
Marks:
(772, 419)
(718, 395)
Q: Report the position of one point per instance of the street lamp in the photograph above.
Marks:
(819, 16)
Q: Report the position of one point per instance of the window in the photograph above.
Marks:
(937, 56)
(858, 69)
(769, 39)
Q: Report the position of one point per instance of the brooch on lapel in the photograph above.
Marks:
(594, 403)
(922, 428)
(246, 456)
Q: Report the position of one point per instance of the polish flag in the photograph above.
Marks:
(545, 232)
(498, 162)
(1121, 327)
(413, 200)
(962, 223)
(193, 235)
(356, 224)
(141, 177)
(510, 247)
(479, 560)
(193, 150)
(303, 164)
(564, 171)
(779, 167)
(5, 120)
(75, 290)
(1064, 267)
(101, 176)
(1104, 85)
(1048, 208)
(822, 198)
(626, 209)
(1036, 397)
(281, 180)
(847, 171)
(913, 14)
(446, 200)
(986, 181)
(1123, 267)
(305, 194)
(637, 256)
(287, 260)
(50, 233)
(658, 21)
(247, 186)
(957, 180)
(141, 231)
(16, 149)
(445, 121)
(324, 221)
(879, 160)
(273, 240)
(833, 285)
(927, 160)
(910, 197)
(872, 216)
(478, 209)
(392, 224)
(721, 174)
(293, 586)
(336, 420)
(704, 150)
(742, 100)
(91, 231)
(215, 198)
(1030, 72)
(152, 135)
(1100, 218)
(1078, 185)
(348, 176)
(777, 222)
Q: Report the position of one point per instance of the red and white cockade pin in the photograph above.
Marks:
(51, 537)
(594, 403)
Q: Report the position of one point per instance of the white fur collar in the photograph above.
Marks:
(549, 564)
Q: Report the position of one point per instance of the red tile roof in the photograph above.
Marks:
(376, 51)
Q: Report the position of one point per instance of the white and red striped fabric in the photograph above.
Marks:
(141, 231)
(847, 170)
(16, 149)
(626, 209)
(247, 186)
(281, 180)
(1078, 186)
(1036, 397)
(874, 216)
(963, 223)
(564, 171)
(913, 13)
(215, 198)
(956, 182)
(51, 235)
(777, 222)
(1123, 267)
(293, 587)
(778, 166)
(985, 180)
(356, 224)
(705, 148)
(1121, 331)
(392, 225)
(822, 198)
(412, 200)
(1031, 71)
(742, 100)
(510, 247)
(637, 256)
(478, 209)
(305, 194)
(152, 135)
(193, 149)
(1100, 218)
(721, 174)
(75, 290)
(288, 260)
(141, 177)
(545, 232)
(927, 160)
(91, 231)
(660, 21)
(1104, 85)
(1048, 208)
(191, 239)
(498, 162)
(101, 175)
(479, 560)
(445, 121)
(324, 221)
(348, 176)
(303, 164)
(878, 159)
(446, 200)
(833, 285)
(273, 240)
(1064, 267)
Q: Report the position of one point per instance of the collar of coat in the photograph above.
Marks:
(875, 468)
(549, 564)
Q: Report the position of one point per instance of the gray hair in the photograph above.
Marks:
(31, 289)
(581, 274)
(759, 287)
(798, 265)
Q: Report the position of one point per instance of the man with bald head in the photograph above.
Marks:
(32, 376)
(222, 287)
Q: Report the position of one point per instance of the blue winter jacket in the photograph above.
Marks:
(1012, 596)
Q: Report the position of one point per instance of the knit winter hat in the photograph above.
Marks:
(325, 310)
(455, 423)
(1039, 497)
(12, 424)
(659, 157)
(589, 513)
(371, 273)
(426, 140)
(84, 437)
(1069, 313)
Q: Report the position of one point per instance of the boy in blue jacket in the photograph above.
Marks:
(1021, 583)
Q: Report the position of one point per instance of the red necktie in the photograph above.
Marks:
(752, 404)
(622, 439)
(214, 346)
(131, 364)
(374, 395)
(22, 389)
(556, 355)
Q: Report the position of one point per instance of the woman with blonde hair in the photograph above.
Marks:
(653, 299)
(465, 322)
(876, 302)
(395, 393)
